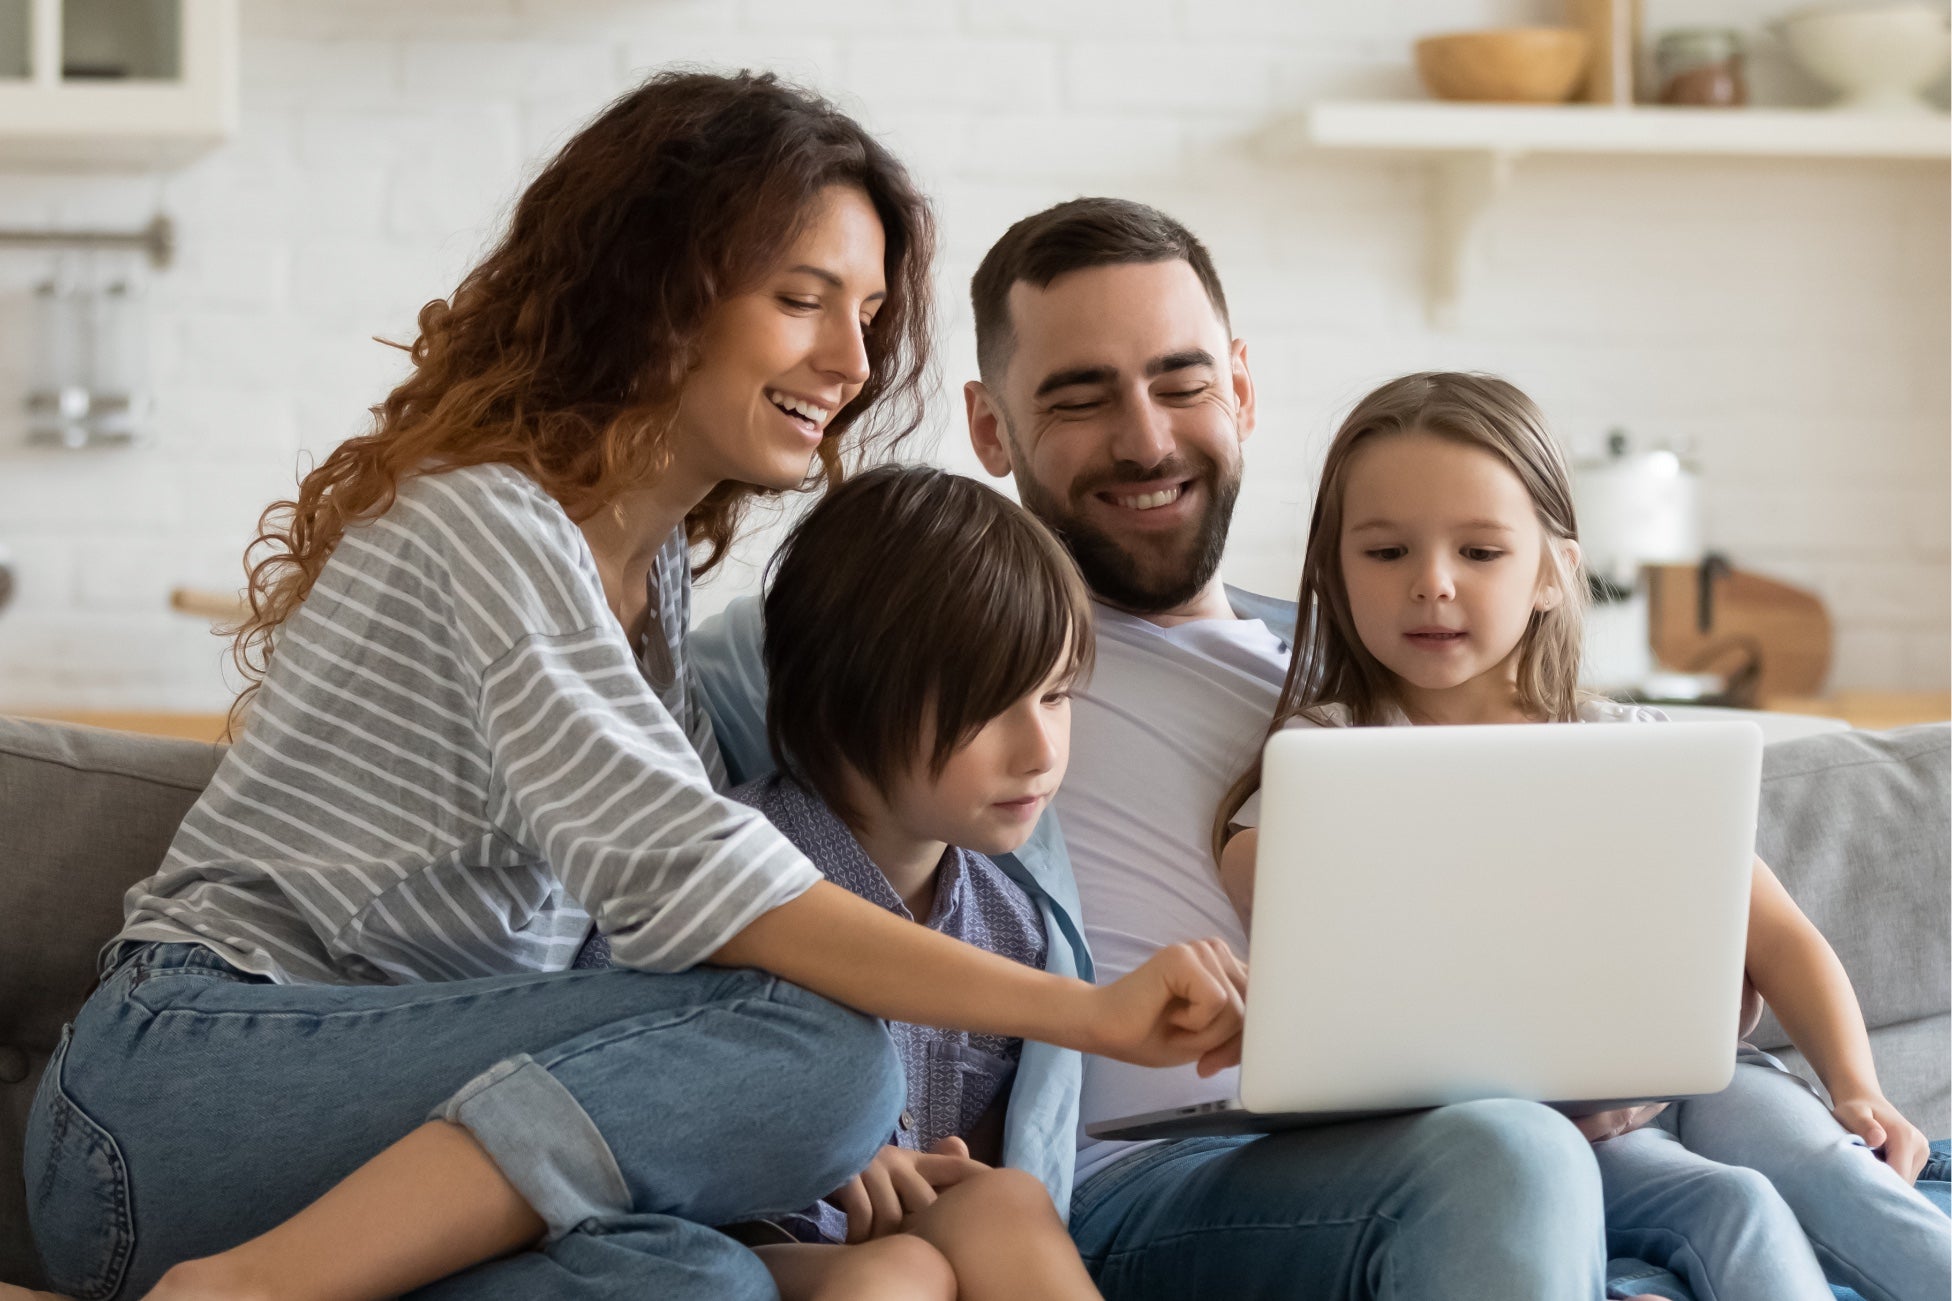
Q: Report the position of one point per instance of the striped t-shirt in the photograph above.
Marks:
(456, 761)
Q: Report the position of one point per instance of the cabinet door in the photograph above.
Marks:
(116, 83)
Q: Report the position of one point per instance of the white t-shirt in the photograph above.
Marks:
(1170, 717)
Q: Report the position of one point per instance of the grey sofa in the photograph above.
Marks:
(1855, 822)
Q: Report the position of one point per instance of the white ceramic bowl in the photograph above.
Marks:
(1877, 57)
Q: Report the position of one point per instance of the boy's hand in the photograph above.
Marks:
(1185, 1004)
(898, 1183)
(1886, 1131)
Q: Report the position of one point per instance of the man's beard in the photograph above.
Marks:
(1115, 575)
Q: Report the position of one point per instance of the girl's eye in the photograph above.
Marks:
(800, 304)
(1056, 697)
(1384, 553)
(1482, 553)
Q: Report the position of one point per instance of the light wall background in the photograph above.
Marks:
(1783, 322)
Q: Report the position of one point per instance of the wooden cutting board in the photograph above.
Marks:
(1785, 629)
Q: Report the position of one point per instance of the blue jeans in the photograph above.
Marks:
(190, 1107)
(1483, 1200)
(1757, 1194)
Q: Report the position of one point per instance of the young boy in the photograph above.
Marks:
(919, 713)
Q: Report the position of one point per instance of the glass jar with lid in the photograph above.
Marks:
(1701, 67)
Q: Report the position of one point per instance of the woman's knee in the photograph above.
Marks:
(844, 1068)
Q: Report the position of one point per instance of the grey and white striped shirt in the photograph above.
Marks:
(455, 754)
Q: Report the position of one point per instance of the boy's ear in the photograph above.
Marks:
(1552, 593)
(986, 433)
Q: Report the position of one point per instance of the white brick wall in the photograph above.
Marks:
(1785, 322)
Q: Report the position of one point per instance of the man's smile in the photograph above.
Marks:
(1146, 500)
(1149, 505)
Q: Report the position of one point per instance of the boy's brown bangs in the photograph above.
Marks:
(1002, 635)
(906, 610)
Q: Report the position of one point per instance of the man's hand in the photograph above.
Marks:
(1602, 1125)
(1886, 1131)
(1185, 1004)
(898, 1183)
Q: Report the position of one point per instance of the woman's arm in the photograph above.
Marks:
(1183, 1005)
(1798, 975)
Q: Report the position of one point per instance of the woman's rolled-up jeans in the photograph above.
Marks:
(191, 1107)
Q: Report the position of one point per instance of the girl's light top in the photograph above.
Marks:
(455, 754)
(1593, 709)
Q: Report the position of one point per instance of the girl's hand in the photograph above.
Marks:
(1185, 1004)
(1881, 1126)
(1602, 1125)
(898, 1183)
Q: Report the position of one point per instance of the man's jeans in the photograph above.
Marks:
(191, 1107)
(1480, 1201)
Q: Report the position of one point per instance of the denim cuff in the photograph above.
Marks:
(546, 1145)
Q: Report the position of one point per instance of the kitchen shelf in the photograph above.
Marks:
(62, 119)
(1519, 129)
(1471, 150)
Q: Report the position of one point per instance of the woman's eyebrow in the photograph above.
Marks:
(822, 274)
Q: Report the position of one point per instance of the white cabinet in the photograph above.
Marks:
(115, 84)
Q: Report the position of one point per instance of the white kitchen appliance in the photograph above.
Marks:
(1635, 510)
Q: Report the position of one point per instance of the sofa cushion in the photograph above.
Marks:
(84, 814)
(1856, 824)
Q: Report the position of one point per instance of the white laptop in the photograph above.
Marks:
(1442, 914)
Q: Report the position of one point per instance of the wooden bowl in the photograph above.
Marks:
(1523, 65)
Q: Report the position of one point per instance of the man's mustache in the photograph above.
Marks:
(1124, 472)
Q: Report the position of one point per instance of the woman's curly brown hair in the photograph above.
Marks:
(564, 351)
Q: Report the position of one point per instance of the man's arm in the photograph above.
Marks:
(727, 655)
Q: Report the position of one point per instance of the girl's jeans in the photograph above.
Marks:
(1756, 1193)
(191, 1107)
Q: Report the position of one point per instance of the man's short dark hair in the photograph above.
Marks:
(910, 604)
(1080, 233)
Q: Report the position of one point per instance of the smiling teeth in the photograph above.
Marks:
(817, 414)
(1151, 500)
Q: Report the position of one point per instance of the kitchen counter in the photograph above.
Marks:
(1872, 710)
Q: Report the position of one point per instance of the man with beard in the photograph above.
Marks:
(1113, 392)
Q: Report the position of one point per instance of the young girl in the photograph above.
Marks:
(1442, 584)
(920, 717)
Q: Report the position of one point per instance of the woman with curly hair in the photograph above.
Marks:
(341, 1047)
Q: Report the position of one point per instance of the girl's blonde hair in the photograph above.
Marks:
(1330, 665)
